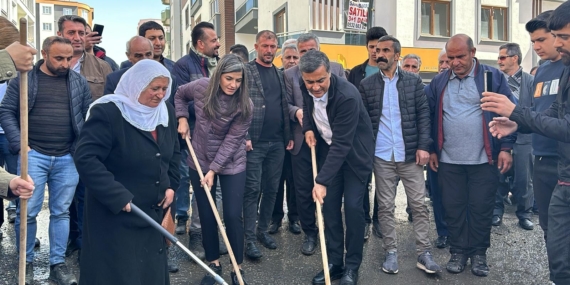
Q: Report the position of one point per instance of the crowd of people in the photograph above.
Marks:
(104, 137)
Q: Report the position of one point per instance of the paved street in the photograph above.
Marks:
(516, 257)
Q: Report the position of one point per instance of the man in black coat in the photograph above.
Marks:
(340, 129)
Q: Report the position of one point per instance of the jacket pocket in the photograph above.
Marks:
(96, 86)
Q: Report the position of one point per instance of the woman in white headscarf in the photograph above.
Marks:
(128, 151)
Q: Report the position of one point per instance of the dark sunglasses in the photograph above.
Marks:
(501, 58)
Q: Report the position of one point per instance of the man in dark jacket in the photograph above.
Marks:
(338, 125)
(58, 102)
(155, 33)
(399, 111)
(357, 74)
(552, 123)
(465, 155)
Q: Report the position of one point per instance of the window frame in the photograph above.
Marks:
(67, 9)
(432, 24)
(48, 8)
(281, 12)
(48, 25)
(490, 31)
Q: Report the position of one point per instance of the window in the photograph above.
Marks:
(186, 18)
(214, 8)
(46, 10)
(67, 11)
(494, 23)
(436, 18)
(47, 26)
(279, 20)
(85, 15)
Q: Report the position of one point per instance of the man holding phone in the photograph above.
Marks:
(92, 39)
(465, 155)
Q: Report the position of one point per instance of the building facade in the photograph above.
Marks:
(14, 10)
(48, 13)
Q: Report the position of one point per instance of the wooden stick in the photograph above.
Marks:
(321, 224)
(215, 210)
(23, 156)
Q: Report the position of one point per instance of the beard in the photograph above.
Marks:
(565, 56)
(59, 72)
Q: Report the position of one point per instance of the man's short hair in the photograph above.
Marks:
(375, 33)
(289, 42)
(289, 46)
(72, 18)
(312, 60)
(49, 41)
(241, 51)
(395, 43)
(150, 25)
(309, 37)
(270, 35)
(559, 18)
(198, 32)
(512, 50)
(413, 56)
(540, 22)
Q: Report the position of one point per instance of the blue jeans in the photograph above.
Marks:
(61, 177)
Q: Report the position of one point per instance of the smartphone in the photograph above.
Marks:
(488, 81)
(99, 29)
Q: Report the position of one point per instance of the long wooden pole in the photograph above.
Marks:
(321, 224)
(216, 214)
(23, 156)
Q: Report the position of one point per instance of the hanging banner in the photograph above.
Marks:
(357, 17)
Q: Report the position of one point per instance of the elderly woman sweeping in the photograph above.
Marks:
(128, 151)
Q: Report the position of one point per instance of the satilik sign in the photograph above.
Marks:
(357, 17)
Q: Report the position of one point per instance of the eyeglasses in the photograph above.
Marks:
(501, 58)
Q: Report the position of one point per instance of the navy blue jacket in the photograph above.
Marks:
(435, 91)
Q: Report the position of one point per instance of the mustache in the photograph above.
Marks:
(381, 59)
(562, 50)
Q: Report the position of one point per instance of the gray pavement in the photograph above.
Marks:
(516, 256)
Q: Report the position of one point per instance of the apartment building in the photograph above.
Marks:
(13, 10)
(48, 13)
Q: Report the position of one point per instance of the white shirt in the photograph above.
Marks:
(77, 66)
(321, 118)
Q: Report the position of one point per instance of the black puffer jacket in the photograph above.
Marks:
(77, 89)
(414, 109)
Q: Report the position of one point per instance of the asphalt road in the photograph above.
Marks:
(516, 256)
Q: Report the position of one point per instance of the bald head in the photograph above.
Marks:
(139, 48)
(460, 52)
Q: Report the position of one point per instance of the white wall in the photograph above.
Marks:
(247, 40)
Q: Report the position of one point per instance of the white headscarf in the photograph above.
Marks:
(128, 91)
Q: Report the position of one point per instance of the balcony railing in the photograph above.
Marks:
(166, 2)
(195, 6)
(245, 8)
(282, 37)
(165, 17)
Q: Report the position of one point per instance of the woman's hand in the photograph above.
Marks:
(183, 128)
(168, 198)
(127, 208)
(208, 179)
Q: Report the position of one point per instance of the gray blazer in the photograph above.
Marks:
(526, 98)
(295, 100)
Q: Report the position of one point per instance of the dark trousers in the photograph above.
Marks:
(367, 216)
(10, 162)
(264, 165)
(558, 245)
(346, 184)
(468, 189)
(438, 210)
(286, 179)
(76, 215)
(521, 176)
(303, 178)
(232, 187)
(545, 178)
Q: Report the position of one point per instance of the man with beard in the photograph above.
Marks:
(399, 111)
(58, 100)
(268, 137)
(553, 123)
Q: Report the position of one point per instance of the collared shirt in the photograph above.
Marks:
(77, 66)
(514, 82)
(390, 141)
(321, 117)
(462, 122)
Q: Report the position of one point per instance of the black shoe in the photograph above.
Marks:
(61, 275)
(441, 242)
(295, 227)
(497, 220)
(36, 243)
(172, 263)
(266, 240)
(29, 273)
(195, 245)
(526, 224)
(376, 229)
(335, 272)
(535, 211)
(507, 200)
(235, 280)
(274, 228)
(180, 227)
(366, 231)
(410, 218)
(456, 263)
(71, 248)
(209, 279)
(309, 245)
(252, 251)
(479, 265)
(349, 277)
(222, 245)
(11, 216)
